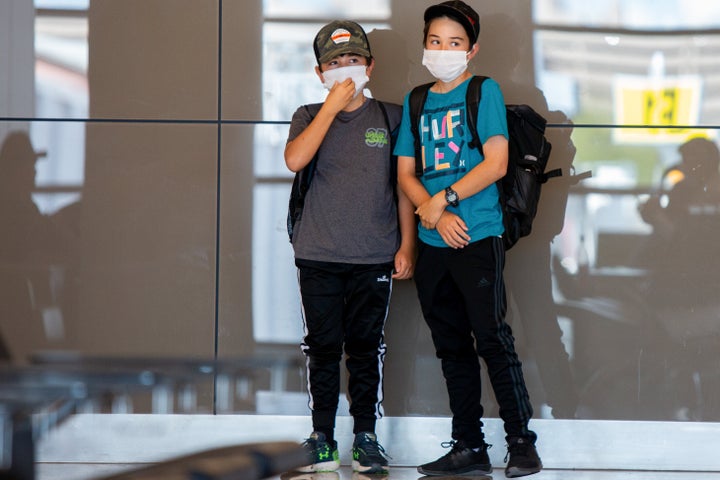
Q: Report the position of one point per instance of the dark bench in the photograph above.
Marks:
(240, 462)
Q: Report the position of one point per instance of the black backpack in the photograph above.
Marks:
(301, 182)
(528, 155)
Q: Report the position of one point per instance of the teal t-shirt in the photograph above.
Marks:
(447, 156)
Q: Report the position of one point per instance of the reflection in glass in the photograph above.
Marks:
(61, 91)
(33, 252)
(276, 297)
(625, 84)
(328, 9)
(634, 281)
(638, 14)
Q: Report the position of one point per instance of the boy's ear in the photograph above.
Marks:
(473, 51)
(319, 74)
(370, 67)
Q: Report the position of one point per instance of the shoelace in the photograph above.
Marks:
(517, 448)
(452, 445)
(455, 447)
(373, 447)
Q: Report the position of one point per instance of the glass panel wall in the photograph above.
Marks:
(147, 193)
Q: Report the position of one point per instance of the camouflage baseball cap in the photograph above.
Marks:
(339, 37)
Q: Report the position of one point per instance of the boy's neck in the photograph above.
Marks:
(445, 87)
(355, 103)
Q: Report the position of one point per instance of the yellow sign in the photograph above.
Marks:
(649, 104)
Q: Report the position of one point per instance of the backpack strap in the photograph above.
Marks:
(472, 105)
(418, 95)
(309, 169)
(393, 158)
(300, 187)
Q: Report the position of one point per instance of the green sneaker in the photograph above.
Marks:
(323, 455)
(368, 455)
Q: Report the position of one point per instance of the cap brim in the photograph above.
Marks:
(326, 57)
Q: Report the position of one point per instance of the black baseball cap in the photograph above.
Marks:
(459, 11)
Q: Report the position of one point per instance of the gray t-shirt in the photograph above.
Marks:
(350, 214)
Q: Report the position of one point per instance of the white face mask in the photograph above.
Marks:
(445, 65)
(358, 74)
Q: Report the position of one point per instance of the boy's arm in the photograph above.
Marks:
(300, 150)
(487, 172)
(405, 256)
(451, 227)
(409, 183)
(431, 210)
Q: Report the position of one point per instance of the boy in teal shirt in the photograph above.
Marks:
(459, 269)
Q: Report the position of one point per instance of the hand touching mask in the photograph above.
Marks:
(357, 73)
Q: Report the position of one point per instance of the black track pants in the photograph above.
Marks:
(462, 295)
(344, 310)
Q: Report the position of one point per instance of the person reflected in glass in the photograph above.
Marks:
(682, 258)
(532, 311)
(28, 247)
(685, 216)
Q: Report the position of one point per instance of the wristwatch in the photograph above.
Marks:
(451, 197)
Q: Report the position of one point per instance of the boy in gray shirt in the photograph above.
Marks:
(355, 236)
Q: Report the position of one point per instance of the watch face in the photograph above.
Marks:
(451, 197)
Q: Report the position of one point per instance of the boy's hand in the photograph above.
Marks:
(404, 264)
(430, 211)
(341, 94)
(453, 230)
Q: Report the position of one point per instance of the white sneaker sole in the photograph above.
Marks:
(330, 466)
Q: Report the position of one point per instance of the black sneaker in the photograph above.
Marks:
(461, 460)
(323, 454)
(368, 455)
(522, 458)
